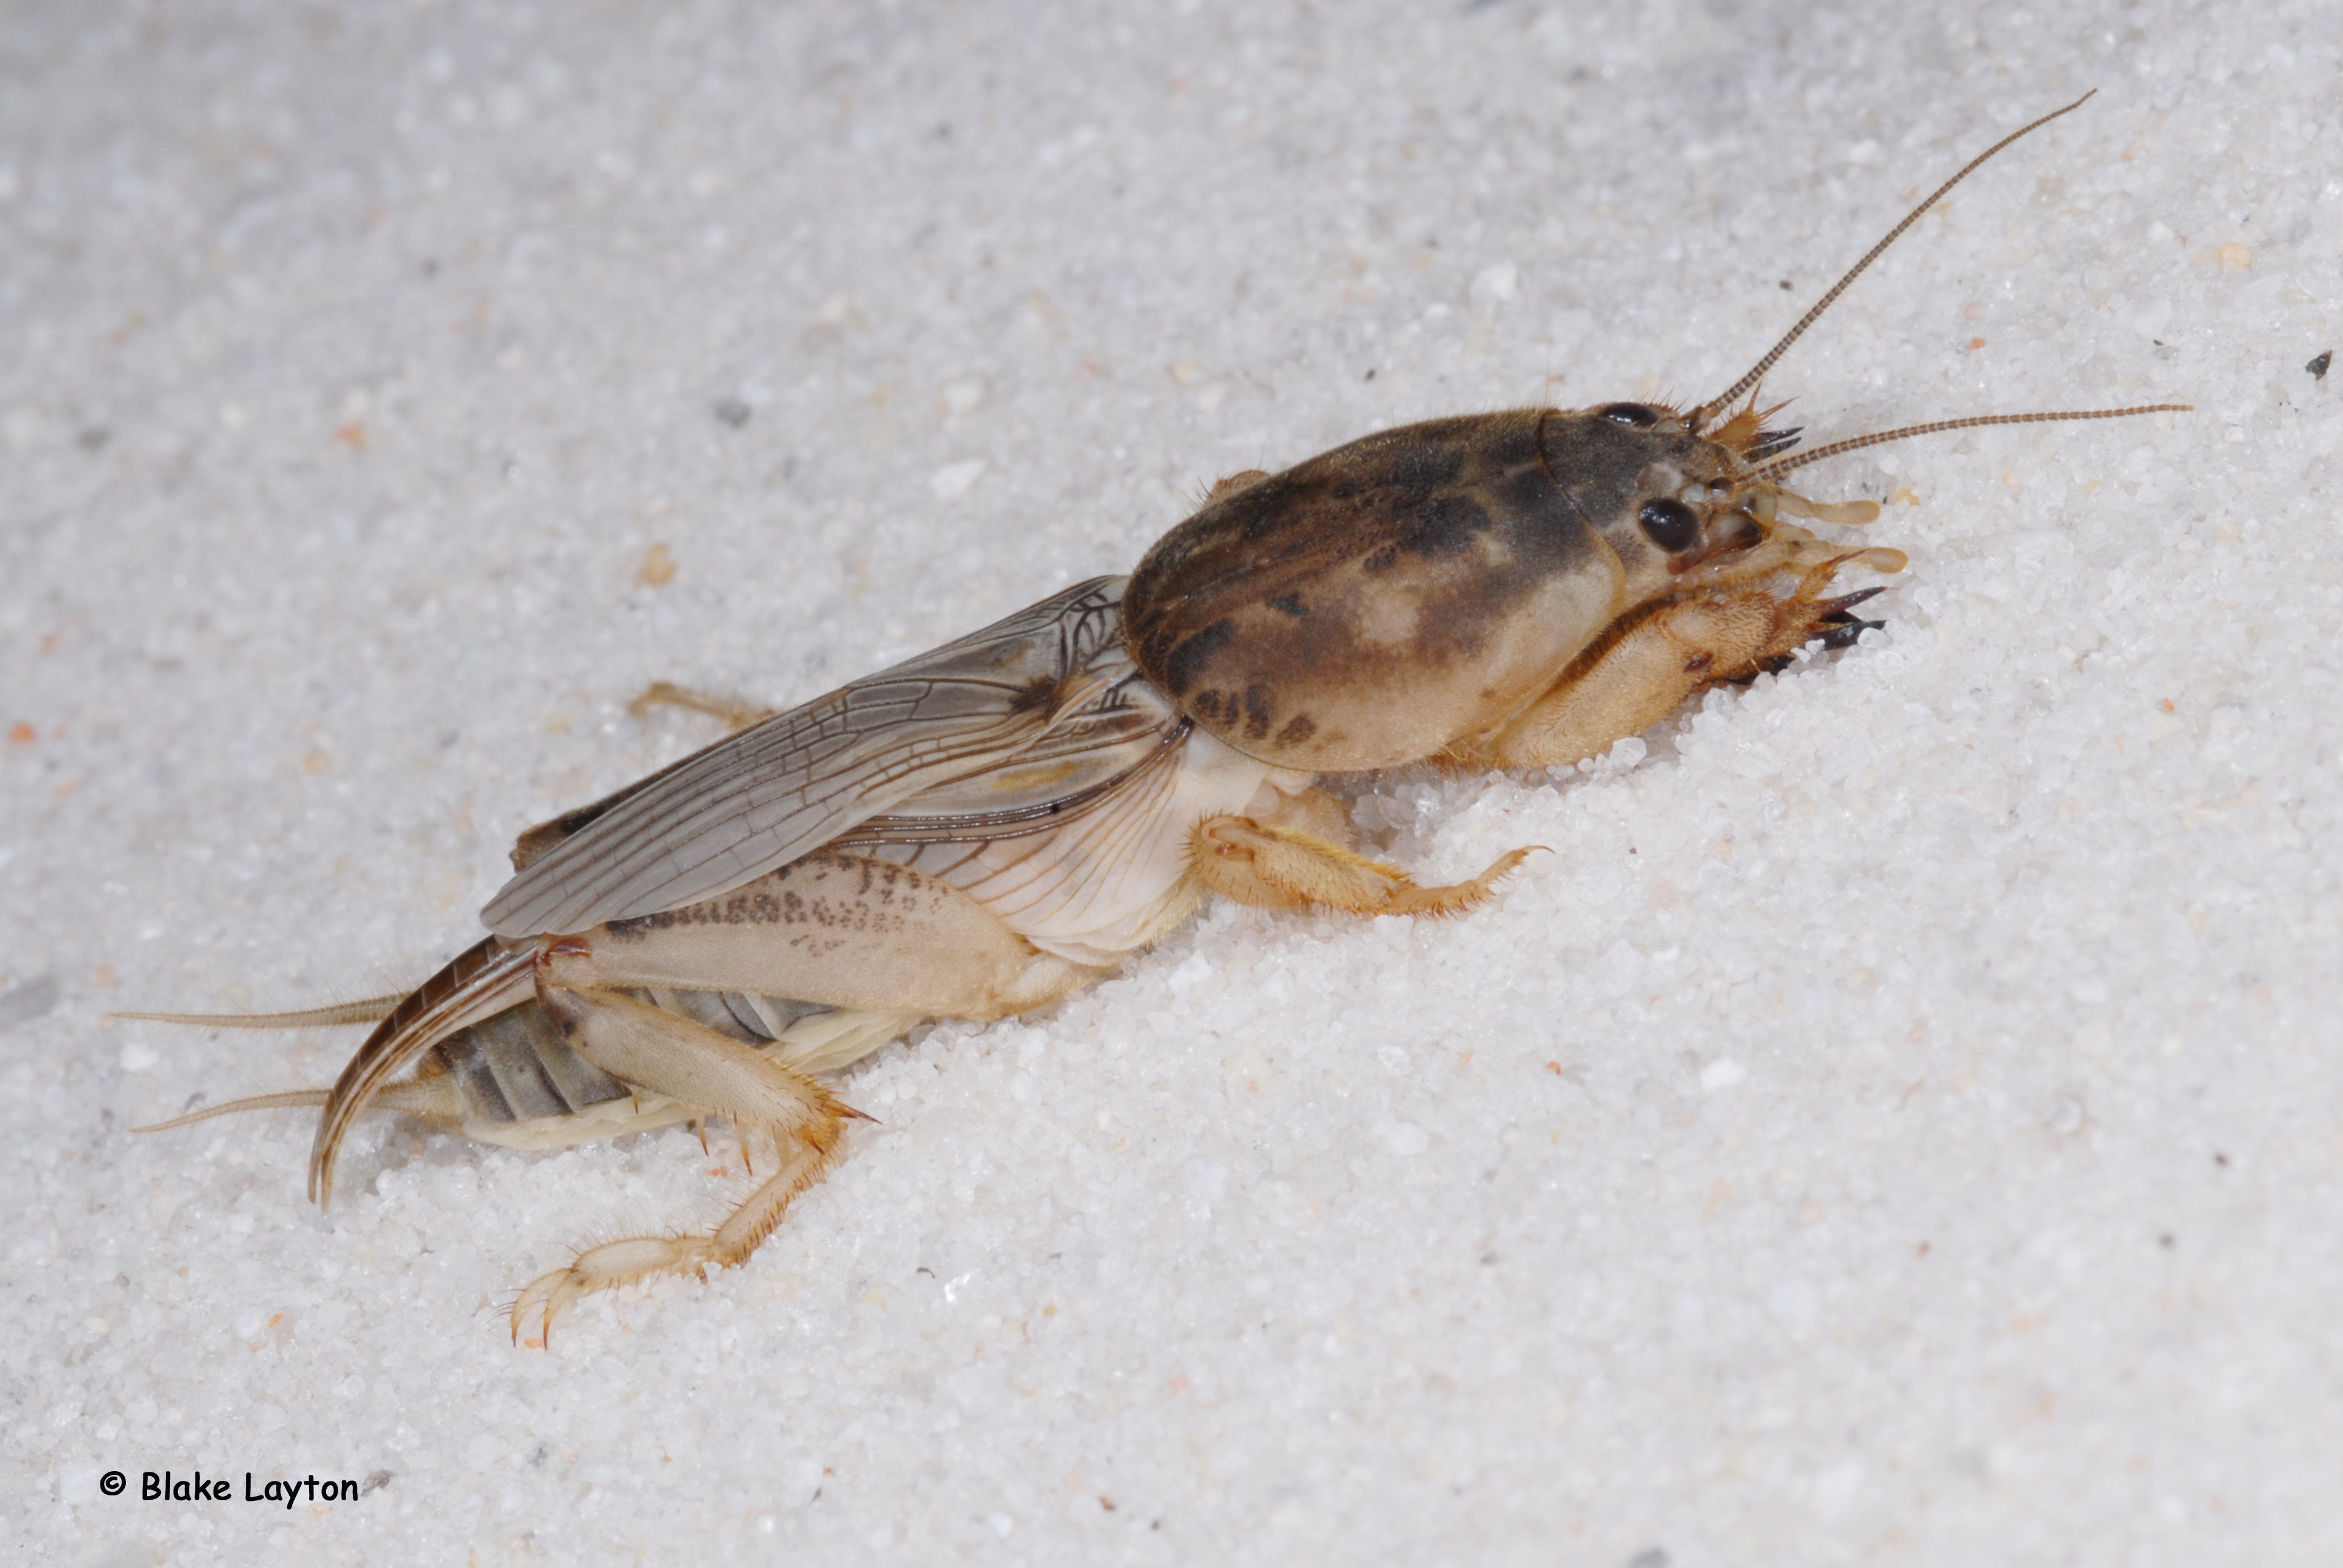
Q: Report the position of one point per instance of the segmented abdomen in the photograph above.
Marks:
(515, 1066)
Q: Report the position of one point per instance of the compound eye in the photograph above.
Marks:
(1636, 415)
(1670, 524)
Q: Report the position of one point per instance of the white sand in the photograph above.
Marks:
(1901, 1122)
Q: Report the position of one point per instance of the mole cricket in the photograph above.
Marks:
(989, 826)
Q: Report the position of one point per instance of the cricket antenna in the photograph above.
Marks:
(1709, 409)
(1781, 466)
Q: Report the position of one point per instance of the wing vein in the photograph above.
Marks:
(1047, 677)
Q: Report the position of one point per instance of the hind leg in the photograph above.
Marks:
(665, 1053)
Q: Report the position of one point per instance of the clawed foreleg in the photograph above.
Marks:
(1730, 632)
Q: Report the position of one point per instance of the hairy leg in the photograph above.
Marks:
(1279, 867)
(661, 1053)
(1728, 633)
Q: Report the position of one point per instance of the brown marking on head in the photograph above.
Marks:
(1406, 588)
(1183, 662)
(1257, 711)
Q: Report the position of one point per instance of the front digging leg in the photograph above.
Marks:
(664, 1053)
(1730, 632)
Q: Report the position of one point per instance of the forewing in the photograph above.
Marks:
(756, 801)
(1092, 752)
